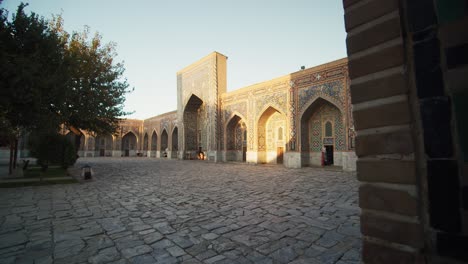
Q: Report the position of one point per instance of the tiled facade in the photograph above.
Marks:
(278, 121)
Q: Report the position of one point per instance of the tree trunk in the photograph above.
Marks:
(10, 169)
(15, 157)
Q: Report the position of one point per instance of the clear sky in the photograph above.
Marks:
(263, 39)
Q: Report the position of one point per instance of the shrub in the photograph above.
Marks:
(53, 149)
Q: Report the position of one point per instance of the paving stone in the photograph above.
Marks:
(8, 260)
(165, 243)
(111, 225)
(352, 254)
(305, 261)
(13, 239)
(120, 261)
(143, 259)
(68, 248)
(135, 251)
(175, 251)
(168, 260)
(329, 239)
(259, 214)
(128, 242)
(206, 254)
(105, 255)
(181, 241)
(284, 255)
(152, 237)
(210, 236)
(164, 228)
(44, 260)
(214, 259)
(256, 257)
(100, 242)
(191, 261)
(147, 231)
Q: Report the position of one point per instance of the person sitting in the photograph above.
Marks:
(200, 154)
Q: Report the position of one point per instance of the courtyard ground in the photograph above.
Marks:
(139, 210)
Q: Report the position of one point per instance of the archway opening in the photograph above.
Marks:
(103, 145)
(129, 144)
(322, 134)
(236, 139)
(164, 144)
(154, 144)
(271, 144)
(193, 132)
(175, 143)
(145, 144)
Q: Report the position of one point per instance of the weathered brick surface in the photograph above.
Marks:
(347, 3)
(390, 171)
(389, 200)
(378, 88)
(369, 12)
(380, 33)
(400, 232)
(388, 143)
(450, 33)
(457, 79)
(373, 253)
(383, 115)
(377, 61)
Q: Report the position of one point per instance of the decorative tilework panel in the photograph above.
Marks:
(333, 90)
(277, 100)
(274, 123)
(240, 108)
(317, 123)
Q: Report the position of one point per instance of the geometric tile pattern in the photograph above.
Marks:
(324, 114)
(333, 91)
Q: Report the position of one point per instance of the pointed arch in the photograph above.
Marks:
(164, 140)
(267, 107)
(103, 145)
(236, 138)
(270, 149)
(319, 98)
(193, 102)
(129, 144)
(175, 138)
(191, 123)
(145, 142)
(154, 140)
(320, 126)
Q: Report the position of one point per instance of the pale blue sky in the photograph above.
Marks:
(263, 39)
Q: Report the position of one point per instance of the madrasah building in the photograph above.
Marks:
(299, 119)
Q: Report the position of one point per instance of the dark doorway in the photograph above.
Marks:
(244, 154)
(328, 155)
(101, 152)
(279, 155)
(127, 153)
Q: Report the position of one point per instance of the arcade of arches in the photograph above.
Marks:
(300, 119)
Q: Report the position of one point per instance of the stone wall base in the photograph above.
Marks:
(292, 160)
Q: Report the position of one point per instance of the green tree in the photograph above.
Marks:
(49, 78)
(96, 88)
(31, 73)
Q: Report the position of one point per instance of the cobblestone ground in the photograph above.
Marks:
(139, 210)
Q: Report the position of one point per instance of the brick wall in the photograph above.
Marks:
(408, 88)
(389, 196)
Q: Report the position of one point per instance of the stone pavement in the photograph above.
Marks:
(139, 210)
